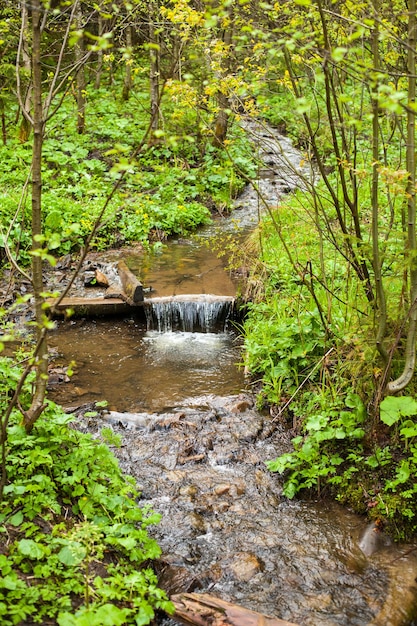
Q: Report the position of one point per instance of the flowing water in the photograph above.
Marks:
(197, 446)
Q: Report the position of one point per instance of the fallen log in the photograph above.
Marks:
(132, 287)
(202, 609)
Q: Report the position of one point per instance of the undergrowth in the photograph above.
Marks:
(170, 186)
(308, 340)
(75, 548)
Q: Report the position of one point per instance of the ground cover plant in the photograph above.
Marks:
(75, 547)
(308, 339)
(140, 141)
(169, 189)
(93, 156)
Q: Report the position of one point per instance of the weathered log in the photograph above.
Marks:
(202, 609)
(190, 297)
(92, 307)
(115, 292)
(132, 287)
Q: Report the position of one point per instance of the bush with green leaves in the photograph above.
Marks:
(75, 548)
(335, 454)
(324, 445)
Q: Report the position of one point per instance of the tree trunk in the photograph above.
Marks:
(80, 81)
(25, 127)
(222, 121)
(38, 399)
(127, 83)
(380, 302)
(395, 386)
(3, 123)
(99, 55)
(154, 52)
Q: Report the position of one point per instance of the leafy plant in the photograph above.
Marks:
(318, 453)
(75, 545)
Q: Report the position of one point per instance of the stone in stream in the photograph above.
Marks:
(373, 539)
(245, 566)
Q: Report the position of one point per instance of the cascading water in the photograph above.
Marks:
(189, 313)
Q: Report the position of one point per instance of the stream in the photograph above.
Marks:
(195, 442)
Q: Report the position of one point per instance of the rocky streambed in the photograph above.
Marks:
(226, 529)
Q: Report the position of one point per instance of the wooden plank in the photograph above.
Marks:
(91, 307)
(188, 297)
(203, 609)
(111, 305)
(132, 287)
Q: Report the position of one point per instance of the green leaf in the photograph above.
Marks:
(393, 408)
(338, 54)
(72, 554)
(316, 422)
(31, 549)
(16, 519)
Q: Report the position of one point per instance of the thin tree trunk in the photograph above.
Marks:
(80, 81)
(99, 54)
(176, 58)
(127, 83)
(25, 126)
(3, 123)
(38, 400)
(380, 303)
(154, 76)
(222, 121)
(395, 386)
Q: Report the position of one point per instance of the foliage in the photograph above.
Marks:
(169, 189)
(340, 449)
(315, 456)
(75, 543)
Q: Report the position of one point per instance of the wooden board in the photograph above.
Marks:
(99, 306)
(203, 609)
(92, 307)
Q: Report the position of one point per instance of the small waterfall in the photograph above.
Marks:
(189, 313)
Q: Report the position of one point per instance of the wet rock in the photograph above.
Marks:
(251, 429)
(245, 566)
(373, 539)
(222, 489)
(189, 491)
(175, 476)
(56, 376)
(241, 405)
(175, 579)
(197, 522)
(89, 278)
(134, 420)
(101, 279)
(64, 262)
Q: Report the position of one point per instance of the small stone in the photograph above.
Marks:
(245, 566)
(101, 279)
(89, 279)
(221, 489)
